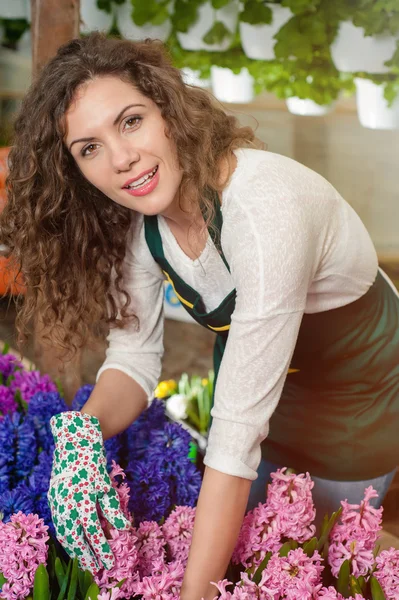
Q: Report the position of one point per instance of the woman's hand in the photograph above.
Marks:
(220, 512)
(79, 482)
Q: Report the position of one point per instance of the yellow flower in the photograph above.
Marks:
(204, 381)
(165, 388)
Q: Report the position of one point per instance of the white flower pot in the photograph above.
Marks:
(14, 9)
(192, 77)
(353, 51)
(92, 18)
(207, 15)
(308, 108)
(229, 87)
(372, 108)
(258, 40)
(131, 31)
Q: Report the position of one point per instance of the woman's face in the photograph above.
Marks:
(117, 138)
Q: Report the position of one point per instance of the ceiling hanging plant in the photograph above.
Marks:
(205, 24)
(140, 19)
(259, 22)
(306, 76)
(367, 34)
(377, 96)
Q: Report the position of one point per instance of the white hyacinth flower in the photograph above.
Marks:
(176, 406)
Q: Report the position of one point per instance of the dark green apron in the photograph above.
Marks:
(338, 415)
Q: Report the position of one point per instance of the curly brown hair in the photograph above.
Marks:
(67, 237)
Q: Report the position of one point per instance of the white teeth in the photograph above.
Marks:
(142, 180)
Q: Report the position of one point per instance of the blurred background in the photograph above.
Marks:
(318, 79)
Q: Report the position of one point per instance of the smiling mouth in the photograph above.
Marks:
(142, 181)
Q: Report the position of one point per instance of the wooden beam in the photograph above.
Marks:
(54, 22)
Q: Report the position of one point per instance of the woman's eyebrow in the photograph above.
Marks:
(120, 114)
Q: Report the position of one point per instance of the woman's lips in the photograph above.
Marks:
(146, 188)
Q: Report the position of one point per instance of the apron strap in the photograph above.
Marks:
(215, 230)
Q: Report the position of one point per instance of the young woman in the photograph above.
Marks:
(122, 176)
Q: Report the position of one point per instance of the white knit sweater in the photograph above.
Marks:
(293, 246)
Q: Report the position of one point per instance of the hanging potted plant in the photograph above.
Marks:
(96, 15)
(195, 65)
(366, 36)
(259, 22)
(140, 19)
(305, 75)
(231, 80)
(205, 25)
(377, 97)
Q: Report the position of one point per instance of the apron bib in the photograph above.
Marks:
(338, 415)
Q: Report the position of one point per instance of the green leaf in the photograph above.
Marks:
(193, 451)
(104, 5)
(310, 546)
(256, 13)
(41, 585)
(120, 584)
(92, 592)
(362, 583)
(343, 579)
(74, 580)
(217, 33)
(327, 529)
(217, 4)
(354, 586)
(3, 580)
(59, 387)
(6, 348)
(376, 589)
(258, 573)
(185, 14)
(59, 571)
(61, 595)
(285, 549)
(85, 581)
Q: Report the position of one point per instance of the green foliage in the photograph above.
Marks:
(41, 584)
(217, 34)
(185, 14)
(390, 82)
(301, 6)
(199, 394)
(318, 81)
(343, 578)
(256, 12)
(376, 589)
(374, 16)
(13, 31)
(150, 11)
(200, 61)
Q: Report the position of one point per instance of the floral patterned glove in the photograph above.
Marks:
(79, 480)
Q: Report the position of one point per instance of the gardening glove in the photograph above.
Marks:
(79, 480)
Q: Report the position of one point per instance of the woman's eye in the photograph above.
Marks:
(132, 122)
(87, 150)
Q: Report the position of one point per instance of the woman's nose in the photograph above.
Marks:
(123, 156)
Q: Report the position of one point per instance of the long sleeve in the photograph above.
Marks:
(137, 349)
(274, 243)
